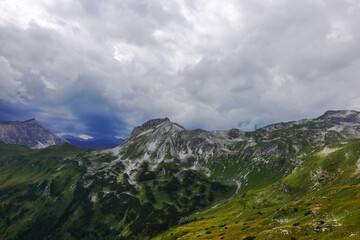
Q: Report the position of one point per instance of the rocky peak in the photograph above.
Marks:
(335, 117)
(345, 122)
(163, 139)
(30, 133)
(31, 120)
(155, 122)
(339, 112)
(235, 133)
(148, 125)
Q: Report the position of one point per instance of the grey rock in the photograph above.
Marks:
(47, 190)
(30, 133)
(162, 173)
(235, 133)
(285, 188)
(148, 125)
(183, 220)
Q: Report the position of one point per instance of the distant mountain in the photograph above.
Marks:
(293, 180)
(30, 133)
(94, 143)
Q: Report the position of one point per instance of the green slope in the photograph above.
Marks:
(63, 192)
(320, 200)
(296, 180)
(35, 188)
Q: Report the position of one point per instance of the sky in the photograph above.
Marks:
(99, 68)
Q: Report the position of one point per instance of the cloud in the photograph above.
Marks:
(103, 67)
(11, 88)
(82, 136)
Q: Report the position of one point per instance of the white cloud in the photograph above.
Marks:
(11, 88)
(340, 32)
(207, 64)
(82, 136)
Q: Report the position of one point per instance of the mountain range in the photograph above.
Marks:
(294, 180)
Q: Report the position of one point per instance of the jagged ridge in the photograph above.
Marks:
(211, 151)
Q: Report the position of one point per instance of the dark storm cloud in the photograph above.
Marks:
(102, 67)
(12, 112)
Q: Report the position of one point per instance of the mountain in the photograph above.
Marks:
(294, 180)
(317, 197)
(248, 158)
(30, 133)
(94, 143)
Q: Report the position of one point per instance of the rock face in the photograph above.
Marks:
(148, 125)
(160, 140)
(161, 136)
(30, 133)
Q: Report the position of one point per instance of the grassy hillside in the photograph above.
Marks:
(63, 192)
(295, 180)
(35, 188)
(320, 200)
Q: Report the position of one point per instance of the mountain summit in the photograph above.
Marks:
(30, 133)
(148, 125)
(161, 138)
